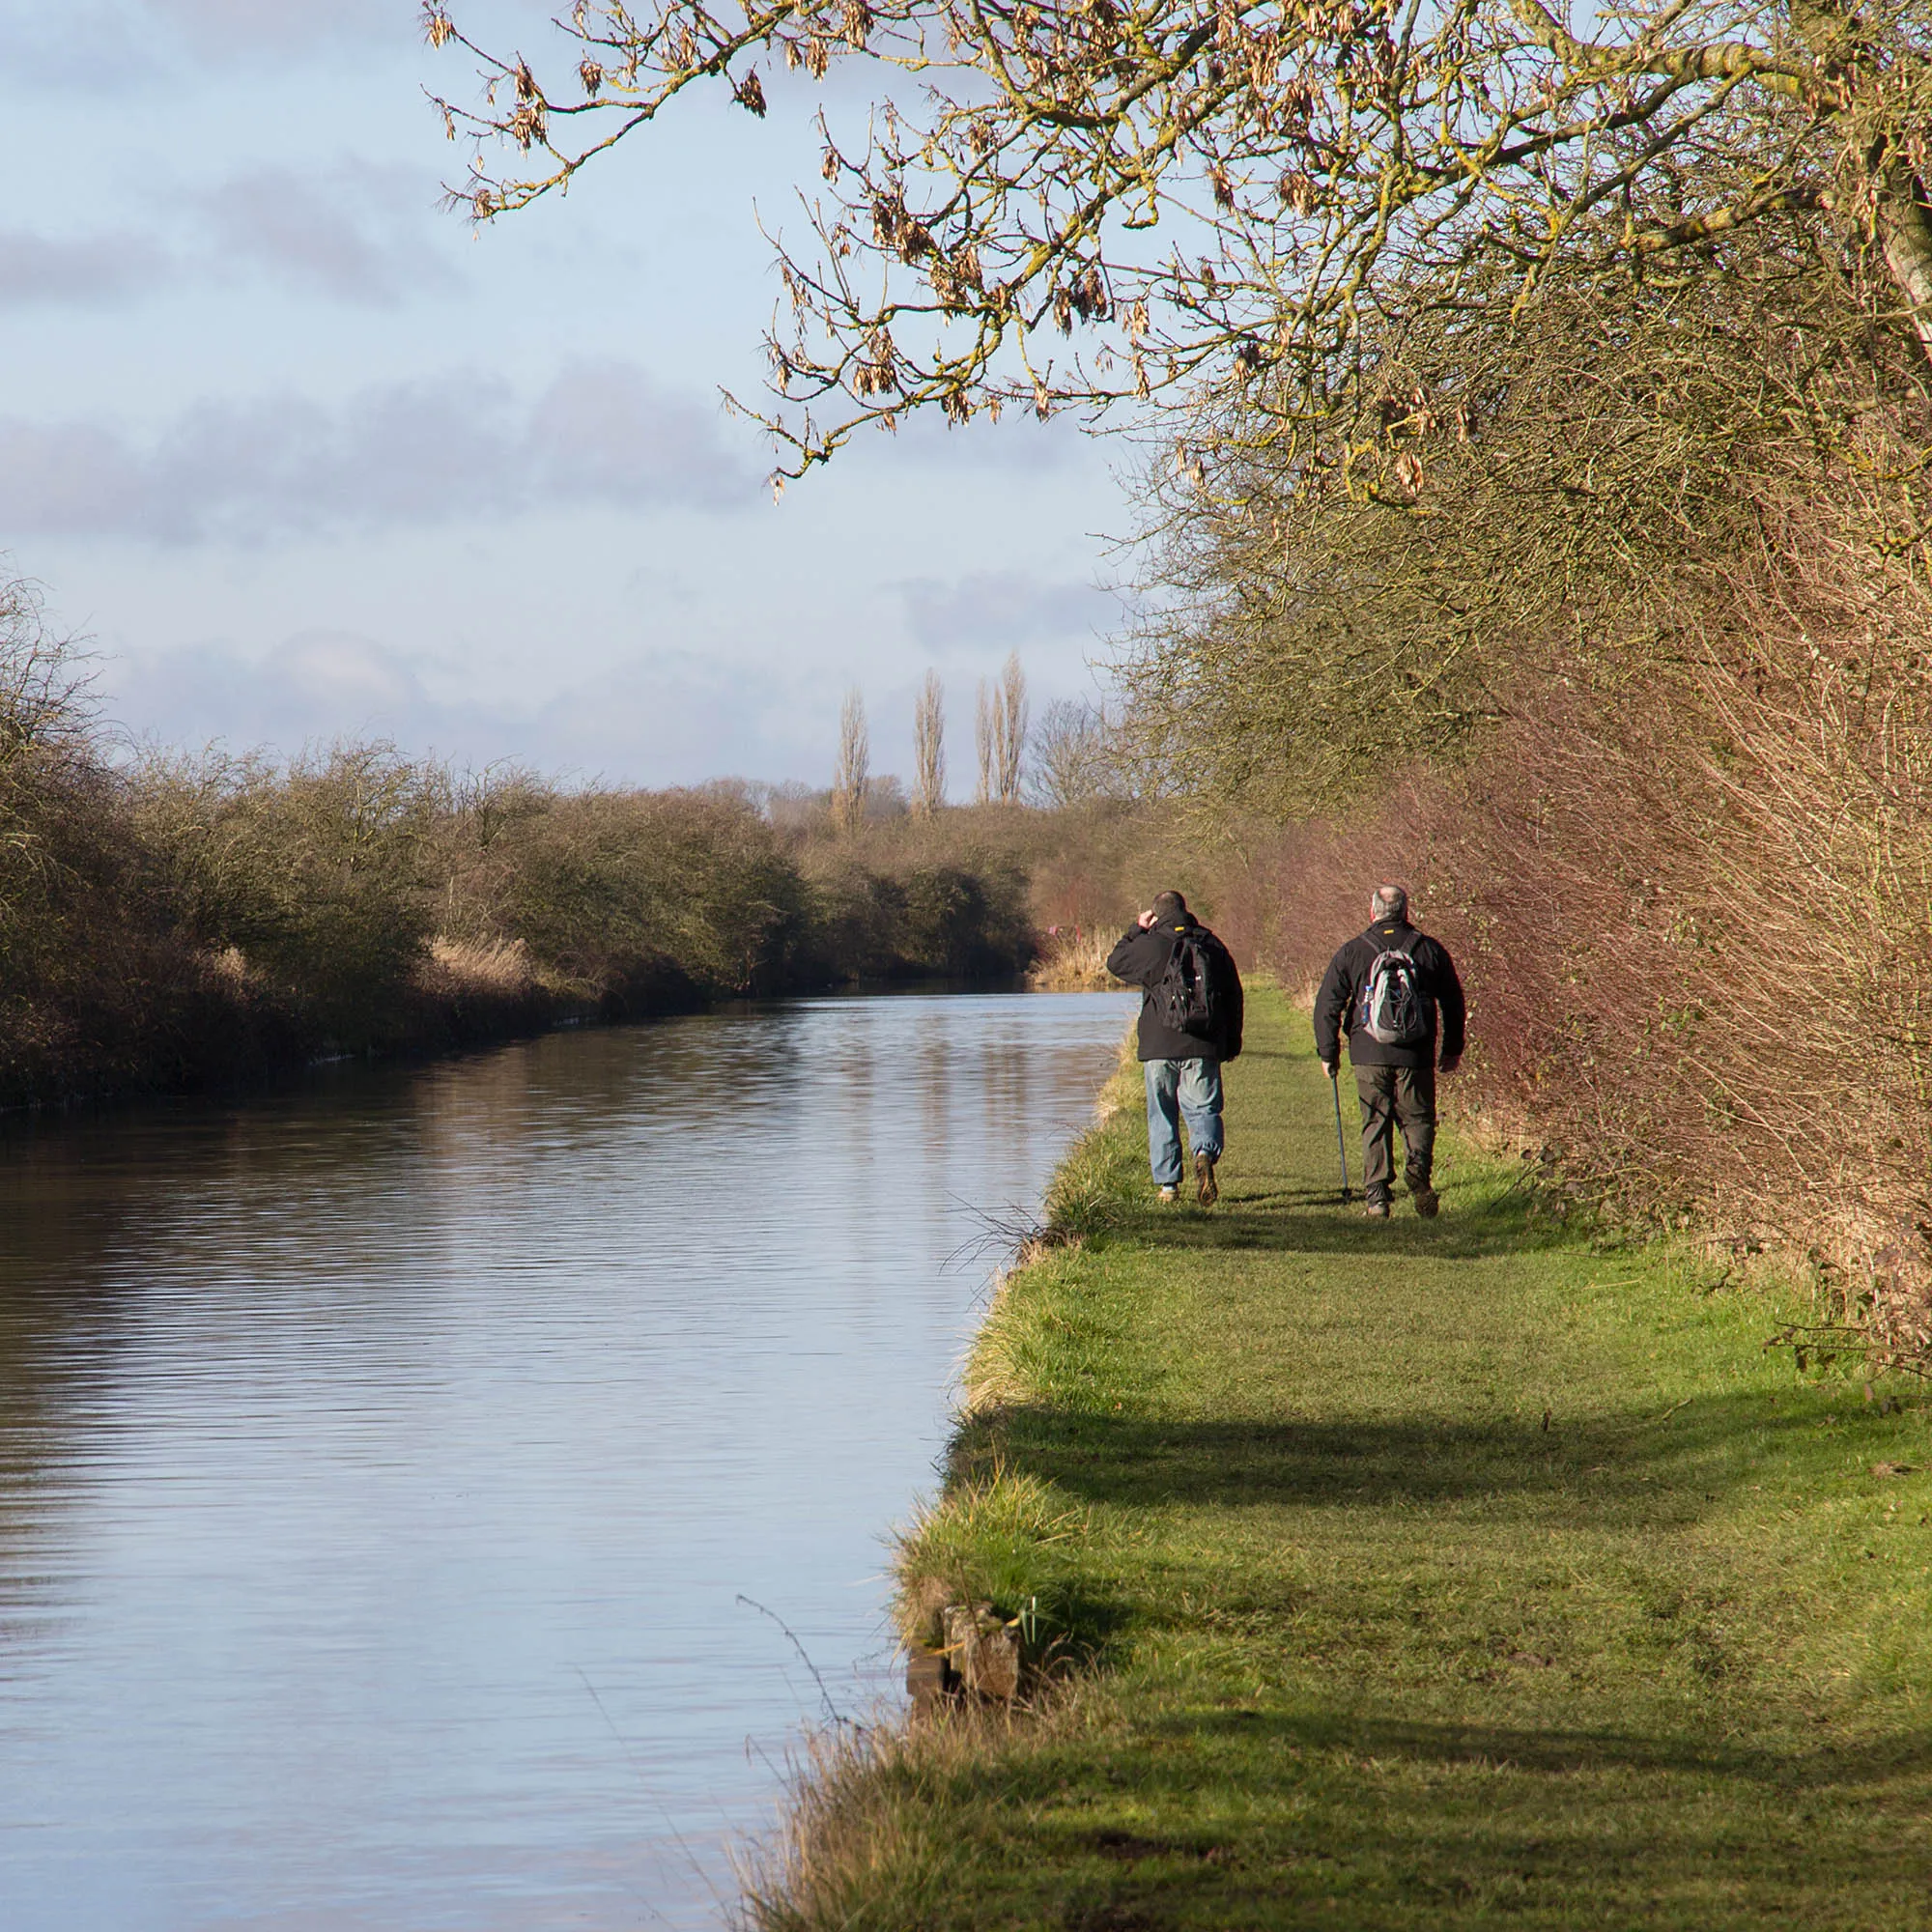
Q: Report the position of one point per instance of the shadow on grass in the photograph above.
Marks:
(1313, 1220)
(1602, 1470)
(1867, 1764)
(1376, 1824)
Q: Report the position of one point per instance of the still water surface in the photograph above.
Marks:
(382, 1465)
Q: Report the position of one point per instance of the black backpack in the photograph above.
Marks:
(1187, 997)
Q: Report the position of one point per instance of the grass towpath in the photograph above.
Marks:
(1444, 1574)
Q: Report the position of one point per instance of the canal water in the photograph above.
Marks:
(420, 1493)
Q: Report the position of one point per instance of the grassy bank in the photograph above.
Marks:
(1470, 1572)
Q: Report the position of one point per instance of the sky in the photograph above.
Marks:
(301, 455)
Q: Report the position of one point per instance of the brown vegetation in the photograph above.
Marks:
(1695, 935)
(183, 920)
(1074, 959)
(1634, 692)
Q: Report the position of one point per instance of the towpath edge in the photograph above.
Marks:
(1412, 1574)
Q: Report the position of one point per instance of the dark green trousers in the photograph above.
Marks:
(1392, 1098)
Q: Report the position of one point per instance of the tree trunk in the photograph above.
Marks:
(1905, 234)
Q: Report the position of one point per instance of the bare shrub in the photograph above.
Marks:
(1694, 924)
(918, 917)
(606, 885)
(98, 989)
(46, 694)
(314, 871)
(1074, 761)
(1090, 866)
(1627, 679)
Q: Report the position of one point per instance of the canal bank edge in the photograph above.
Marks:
(1390, 1574)
(447, 1015)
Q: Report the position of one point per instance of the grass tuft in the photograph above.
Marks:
(1009, 1539)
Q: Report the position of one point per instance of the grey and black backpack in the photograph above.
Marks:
(1393, 1009)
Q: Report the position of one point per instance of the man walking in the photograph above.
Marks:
(1392, 983)
(1190, 1024)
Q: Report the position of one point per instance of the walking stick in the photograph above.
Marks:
(1341, 1144)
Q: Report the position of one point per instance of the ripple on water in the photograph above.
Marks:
(380, 1465)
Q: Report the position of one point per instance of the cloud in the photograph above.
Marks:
(118, 39)
(235, 26)
(999, 607)
(398, 454)
(101, 269)
(677, 716)
(317, 686)
(355, 235)
(669, 717)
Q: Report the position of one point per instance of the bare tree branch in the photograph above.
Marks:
(1104, 202)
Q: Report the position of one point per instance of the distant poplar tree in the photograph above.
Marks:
(928, 747)
(984, 730)
(1009, 731)
(853, 777)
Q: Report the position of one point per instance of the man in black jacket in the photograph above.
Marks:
(1393, 1048)
(1182, 1067)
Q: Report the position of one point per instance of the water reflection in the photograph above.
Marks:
(380, 1465)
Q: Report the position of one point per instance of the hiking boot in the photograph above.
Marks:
(1428, 1203)
(1169, 1196)
(1376, 1210)
(1205, 1189)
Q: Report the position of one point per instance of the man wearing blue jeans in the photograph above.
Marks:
(1190, 1024)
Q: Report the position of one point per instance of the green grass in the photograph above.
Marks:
(1474, 1573)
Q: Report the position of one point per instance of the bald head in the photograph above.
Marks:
(1388, 902)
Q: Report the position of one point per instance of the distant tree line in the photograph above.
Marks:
(1073, 755)
(174, 918)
